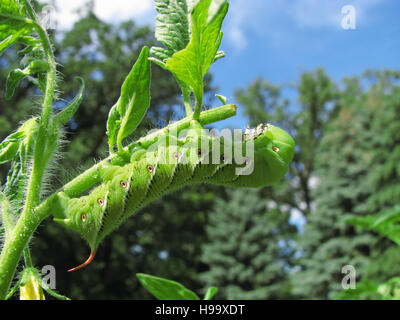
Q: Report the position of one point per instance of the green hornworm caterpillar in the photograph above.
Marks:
(127, 188)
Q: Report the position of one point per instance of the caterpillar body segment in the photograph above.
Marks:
(85, 214)
(170, 164)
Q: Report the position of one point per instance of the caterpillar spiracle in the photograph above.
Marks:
(127, 188)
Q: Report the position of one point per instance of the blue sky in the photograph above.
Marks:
(279, 39)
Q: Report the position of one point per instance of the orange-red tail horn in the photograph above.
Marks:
(88, 261)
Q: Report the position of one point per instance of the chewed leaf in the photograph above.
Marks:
(135, 96)
(164, 289)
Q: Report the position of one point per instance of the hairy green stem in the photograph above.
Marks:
(29, 219)
(199, 104)
(27, 257)
(13, 247)
(40, 156)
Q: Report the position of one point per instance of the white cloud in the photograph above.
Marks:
(276, 19)
(235, 21)
(110, 11)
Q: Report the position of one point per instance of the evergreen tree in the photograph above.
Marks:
(350, 185)
(306, 122)
(247, 249)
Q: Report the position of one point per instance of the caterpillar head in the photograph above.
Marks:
(84, 215)
(274, 149)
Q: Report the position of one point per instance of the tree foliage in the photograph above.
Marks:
(355, 152)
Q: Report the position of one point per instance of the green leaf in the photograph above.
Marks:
(15, 76)
(223, 99)
(362, 288)
(219, 55)
(19, 171)
(159, 55)
(11, 144)
(69, 110)
(9, 147)
(13, 23)
(385, 223)
(14, 137)
(390, 290)
(164, 289)
(113, 125)
(173, 28)
(135, 96)
(192, 63)
(172, 25)
(12, 7)
(9, 40)
(211, 292)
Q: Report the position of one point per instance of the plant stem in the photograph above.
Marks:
(39, 160)
(29, 220)
(13, 247)
(186, 102)
(199, 104)
(205, 118)
(28, 257)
